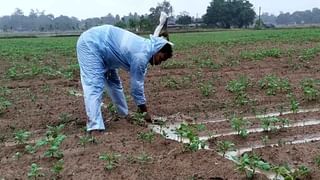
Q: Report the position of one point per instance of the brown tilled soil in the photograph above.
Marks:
(43, 101)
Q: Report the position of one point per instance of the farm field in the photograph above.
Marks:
(248, 99)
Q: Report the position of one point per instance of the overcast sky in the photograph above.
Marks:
(97, 8)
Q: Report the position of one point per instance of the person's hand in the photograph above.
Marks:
(143, 109)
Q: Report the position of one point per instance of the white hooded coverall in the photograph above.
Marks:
(101, 51)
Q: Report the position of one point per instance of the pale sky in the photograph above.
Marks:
(83, 9)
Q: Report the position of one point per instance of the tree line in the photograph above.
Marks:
(219, 13)
(298, 17)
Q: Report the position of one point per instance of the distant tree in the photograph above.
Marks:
(284, 18)
(184, 18)
(144, 24)
(154, 15)
(222, 13)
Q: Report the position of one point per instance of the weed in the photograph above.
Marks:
(111, 160)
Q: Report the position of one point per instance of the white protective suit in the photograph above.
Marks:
(101, 51)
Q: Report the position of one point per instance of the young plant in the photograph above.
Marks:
(54, 150)
(147, 136)
(112, 109)
(239, 87)
(138, 118)
(54, 131)
(4, 105)
(206, 89)
(191, 133)
(310, 90)
(22, 136)
(86, 140)
(317, 160)
(35, 171)
(294, 104)
(273, 84)
(144, 158)
(17, 155)
(111, 160)
(224, 146)
(289, 174)
(265, 140)
(240, 125)
(57, 167)
(269, 123)
(64, 118)
(252, 163)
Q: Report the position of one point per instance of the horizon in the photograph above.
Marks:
(101, 8)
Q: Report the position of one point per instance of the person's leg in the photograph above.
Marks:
(115, 92)
(92, 73)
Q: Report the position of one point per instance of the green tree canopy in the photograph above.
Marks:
(227, 13)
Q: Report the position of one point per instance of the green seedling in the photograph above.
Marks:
(289, 174)
(111, 160)
(17, 155)
(54, 131)
(173, 65)
(112, 109)
(138, 118)
(86, 140)
(22, 136)
(35, 172)
(206, 89)
(310, 90)
(269, 123)
(239, 87)
(171, 83)
(240, 125)
(57, 167)
(146, 136)
(54, 150)
(273, 84)
(4, 105)
(252, 163)
(64, 118)
(224, 146)
(265, 140)
(191, 133)
(317, 160)
(30, 149)
(144, 158)
(294, 104)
